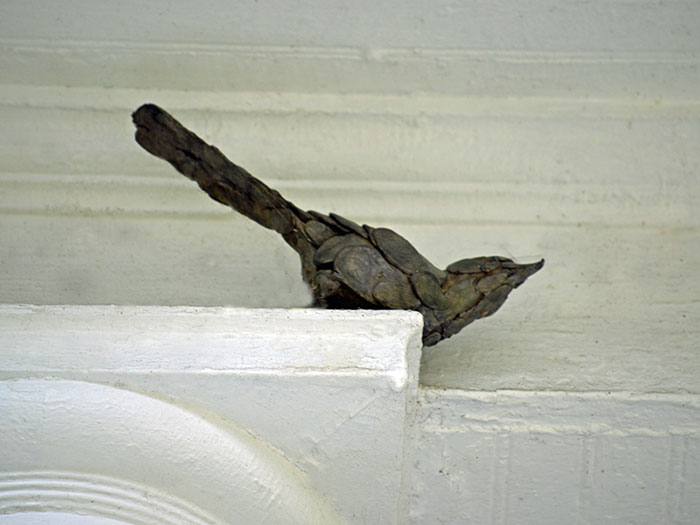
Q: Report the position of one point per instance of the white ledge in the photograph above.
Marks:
(300, 403)
(204, 340)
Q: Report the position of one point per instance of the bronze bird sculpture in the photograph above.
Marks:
(346, 265)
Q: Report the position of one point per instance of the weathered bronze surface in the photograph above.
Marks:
(346, 265)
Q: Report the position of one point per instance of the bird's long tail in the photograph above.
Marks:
(163, 136)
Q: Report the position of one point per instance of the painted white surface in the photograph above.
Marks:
(591, 50)
(502, 24)
(187, 415)
(565, 130)
(78, 447)
(434, 160)
(653, 76)
(151, 402)
(54, 518)
(553, 457)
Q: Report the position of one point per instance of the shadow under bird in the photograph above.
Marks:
(346, 265)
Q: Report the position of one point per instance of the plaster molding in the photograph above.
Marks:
(425, 159)
(255, 416)
(95, 495)
(80, 447)
(625, 73)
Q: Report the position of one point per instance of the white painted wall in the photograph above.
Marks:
(563, 130)
(445, 24)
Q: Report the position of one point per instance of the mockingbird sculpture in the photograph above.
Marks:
(346, 265)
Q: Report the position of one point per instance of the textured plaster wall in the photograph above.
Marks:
(563, 130)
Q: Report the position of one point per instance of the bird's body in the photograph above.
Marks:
(346, 265)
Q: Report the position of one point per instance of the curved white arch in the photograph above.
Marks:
(55, 518)
(86, 448)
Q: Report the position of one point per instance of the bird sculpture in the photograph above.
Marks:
(348, 266)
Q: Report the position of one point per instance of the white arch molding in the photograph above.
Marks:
(85, 449)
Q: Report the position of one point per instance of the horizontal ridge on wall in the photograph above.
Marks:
(413, 135)
(473, 72)
(436, 203)
(425, 104)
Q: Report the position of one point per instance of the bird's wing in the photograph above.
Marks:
(401, 253)
(364, 270)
